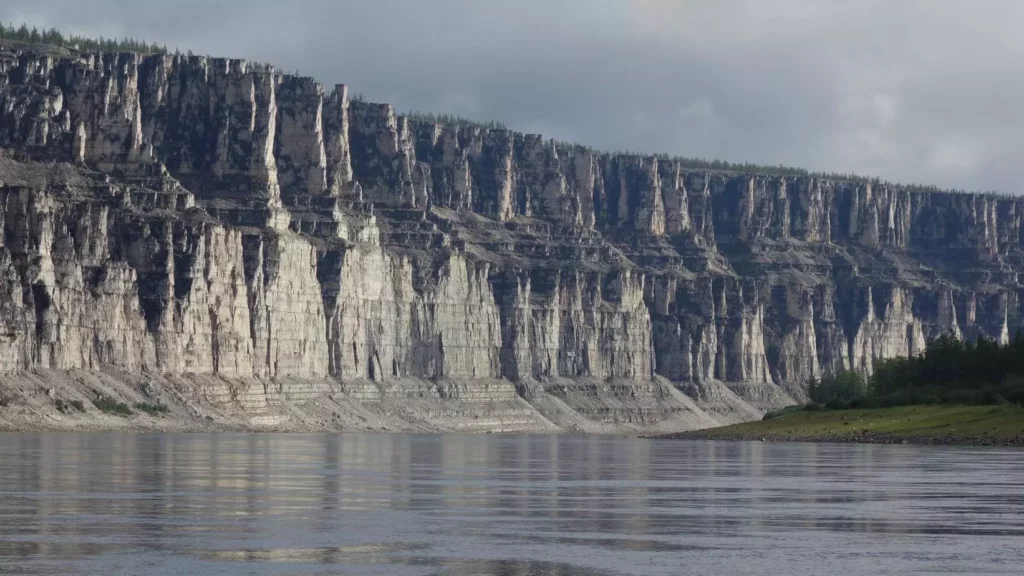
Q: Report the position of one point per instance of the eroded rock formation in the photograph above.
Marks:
(201, 217)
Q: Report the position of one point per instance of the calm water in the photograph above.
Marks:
(355, 504)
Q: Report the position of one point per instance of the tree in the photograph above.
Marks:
(54, 37)
(842, 386)
(814, 390)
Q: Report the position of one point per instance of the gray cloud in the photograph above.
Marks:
(914, 90)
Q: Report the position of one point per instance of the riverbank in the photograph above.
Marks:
(970, 425)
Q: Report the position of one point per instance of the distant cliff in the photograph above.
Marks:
(213, 220)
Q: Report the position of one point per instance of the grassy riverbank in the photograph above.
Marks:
(997, 425)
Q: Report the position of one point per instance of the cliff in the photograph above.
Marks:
(252, 247)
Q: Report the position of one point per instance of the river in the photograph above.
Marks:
(491, 504)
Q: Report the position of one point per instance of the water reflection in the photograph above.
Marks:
(365, 504)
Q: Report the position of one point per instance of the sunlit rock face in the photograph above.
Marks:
(192, 215)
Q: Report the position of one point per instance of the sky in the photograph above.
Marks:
(922, 91)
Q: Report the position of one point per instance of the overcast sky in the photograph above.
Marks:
(928, 91)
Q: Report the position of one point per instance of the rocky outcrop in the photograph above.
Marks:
(218, 221)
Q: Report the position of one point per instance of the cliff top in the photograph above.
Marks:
(22, 39)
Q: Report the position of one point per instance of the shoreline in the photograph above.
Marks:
(851, 439)
(937, 425)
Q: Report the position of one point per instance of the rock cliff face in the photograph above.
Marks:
(216, 220)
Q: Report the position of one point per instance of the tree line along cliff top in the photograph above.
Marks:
(33, 38)
(51, 41)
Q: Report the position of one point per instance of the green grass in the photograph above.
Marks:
(112, 407)
(152, 409)
(922, 423)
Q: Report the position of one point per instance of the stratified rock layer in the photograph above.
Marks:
(212, 220)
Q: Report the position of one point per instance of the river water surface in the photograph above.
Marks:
(523, 505)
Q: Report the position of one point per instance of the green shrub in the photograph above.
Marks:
(782, 411)
(866, 402)
(112, 406)
(66, 406)
(152, 409)
(837, 404)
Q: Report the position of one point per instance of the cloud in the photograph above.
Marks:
(917, 90)
(955, 156)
